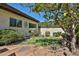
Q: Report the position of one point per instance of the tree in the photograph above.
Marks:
(65, 15)
(48, 24)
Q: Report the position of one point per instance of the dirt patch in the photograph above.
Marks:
(32, 50)
(42, 51)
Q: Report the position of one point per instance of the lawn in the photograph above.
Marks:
(42, 41)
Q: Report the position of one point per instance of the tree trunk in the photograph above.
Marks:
(73, 39)
(70, 39)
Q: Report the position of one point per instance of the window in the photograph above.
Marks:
(12, 22)
(32, 25)
(15, 22)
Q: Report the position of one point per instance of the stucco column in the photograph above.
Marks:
(44, 34)
(37, 27)
(28, 26)
(51, 33)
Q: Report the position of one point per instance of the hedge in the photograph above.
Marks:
(8, 36)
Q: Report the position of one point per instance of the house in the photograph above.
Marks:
(12, 18)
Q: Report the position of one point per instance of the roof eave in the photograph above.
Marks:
(14, 10)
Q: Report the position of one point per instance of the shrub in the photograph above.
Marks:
(8, 36)
(57, 34)
(44, 41)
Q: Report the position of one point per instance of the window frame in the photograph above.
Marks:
(16, 22)
(31, 25)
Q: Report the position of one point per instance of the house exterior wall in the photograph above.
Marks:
(5, 18)
(51, 30)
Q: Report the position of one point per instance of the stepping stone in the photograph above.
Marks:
(13, 54)
(9, 53)
(3, 50)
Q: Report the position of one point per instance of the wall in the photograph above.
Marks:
(51, 30)
(5, 17)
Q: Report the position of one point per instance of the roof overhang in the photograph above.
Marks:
(18, 12)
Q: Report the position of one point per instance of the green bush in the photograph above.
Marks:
(44, 41)
(57, 34)
(8, 36)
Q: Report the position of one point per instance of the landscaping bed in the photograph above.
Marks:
(42, 41)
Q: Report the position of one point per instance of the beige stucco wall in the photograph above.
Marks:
(51, 30)
(5, 17)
